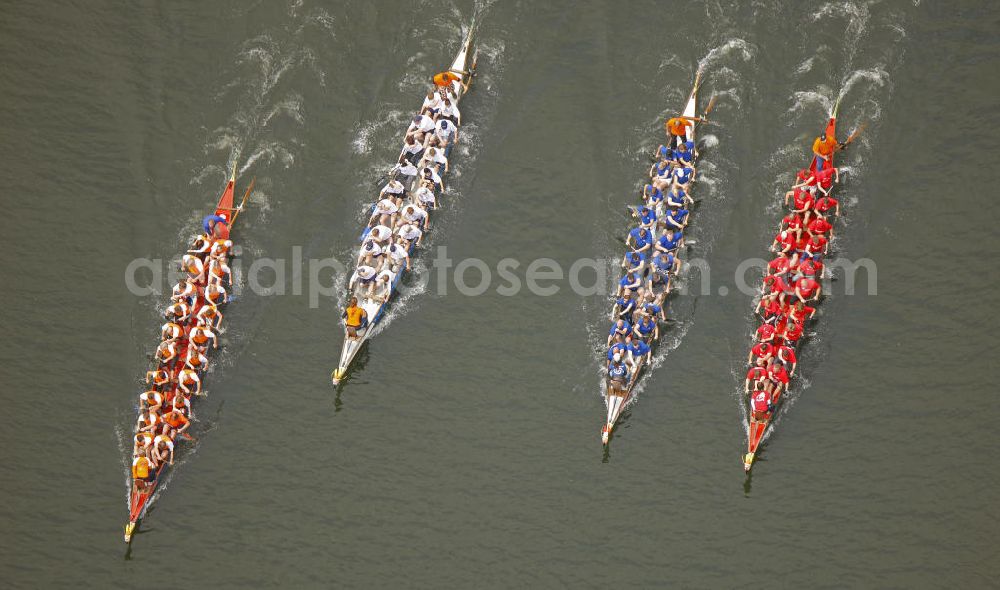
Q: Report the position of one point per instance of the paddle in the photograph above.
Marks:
(711, 105)
(854, 135)
(242, 202)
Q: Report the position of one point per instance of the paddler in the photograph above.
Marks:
(167, 351)
(362, 278)
(618, 348)
(684, 154)
(449, 110)
(639, 351)
(397, 257)
(619, 330)
(200, 244)
(171, 331)
(807, 289)
(148, 421)
(420, 128)
(209, 315)
(669, 241)
(216, 293)
(824, 147)
(195, 358)
(646, 328)
(152, 400)
(188, 378)
(200, 335)
(216, 226)
(143, 440)
(355, 318)
(445, 133)
(163, 448)
(757, 376)
(639, 239)
(786, 354)
(159, 377)
(760, 354)
(220, 249)
(182, 404)
(194, 266)
(184, 290)
(179, 311)
(176, 422)
(778, 376)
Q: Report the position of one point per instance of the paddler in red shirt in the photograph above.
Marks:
(819, 226)
(815, 247)
(792, 333)
(762, 352)
(793, 222)
(778, 376)
(756, 374)
(765, 333)
(807, 289)
(761, 405)
(786, 354)
(787, 240)
(825, 203)
(780, 265)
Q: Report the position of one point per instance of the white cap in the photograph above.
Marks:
(618, 357)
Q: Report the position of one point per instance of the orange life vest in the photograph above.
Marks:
(678, 126)
(445, 79)
(824, 148)
(354, 316)
(176, 419)
(141, 468)
(199, 337)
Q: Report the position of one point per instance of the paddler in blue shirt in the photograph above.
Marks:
(634, 262)
(624, 306)
(669, 241)
(630, 281)
(676, 219)
(639, 350)
(676, 198)
(645, 328)
(619, 349)
(640, 239)
(647, 218)
(682, 176)
(210, 224)
(651, 195)
(619, 330)
(683, 154)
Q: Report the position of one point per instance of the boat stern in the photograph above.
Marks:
(748, 462)
(129, 529)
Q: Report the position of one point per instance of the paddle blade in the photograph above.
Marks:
(856, 133)
(711, 105)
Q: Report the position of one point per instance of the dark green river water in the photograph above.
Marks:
(463, 450)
